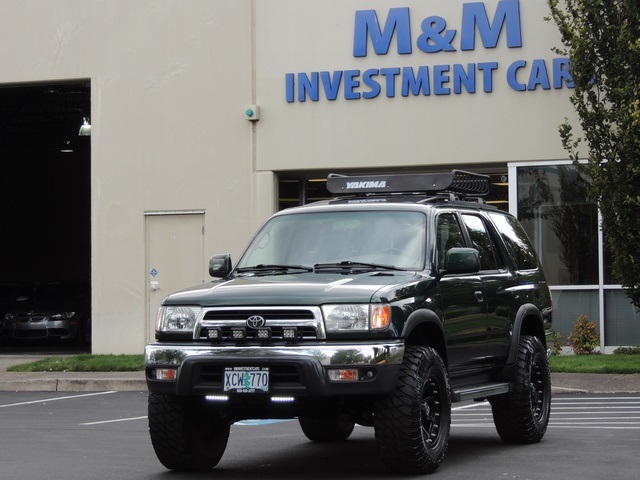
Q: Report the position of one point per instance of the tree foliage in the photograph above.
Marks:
(602, 40)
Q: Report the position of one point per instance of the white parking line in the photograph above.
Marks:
(55, 399)
(471, 405)
(115, 421)
(616, 413)
(584, 399)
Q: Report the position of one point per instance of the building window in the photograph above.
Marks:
(300, 188)
(561, 222)
(563, 225)
(293, 192)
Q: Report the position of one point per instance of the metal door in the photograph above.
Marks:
(175, 256)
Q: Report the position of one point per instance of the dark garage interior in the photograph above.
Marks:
(45, 201)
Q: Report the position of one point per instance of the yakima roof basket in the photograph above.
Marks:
(458, 182)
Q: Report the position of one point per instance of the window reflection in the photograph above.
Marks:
(561, 222)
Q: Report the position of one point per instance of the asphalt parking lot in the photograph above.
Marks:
(103, 435)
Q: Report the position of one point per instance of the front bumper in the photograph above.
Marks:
(296, 370)
(39, 330)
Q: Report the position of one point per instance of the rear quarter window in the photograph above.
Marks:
(515, 239)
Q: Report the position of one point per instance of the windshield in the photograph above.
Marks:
(394, 238)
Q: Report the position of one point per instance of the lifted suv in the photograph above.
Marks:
(380, 307)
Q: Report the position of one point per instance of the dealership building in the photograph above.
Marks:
(139, 138)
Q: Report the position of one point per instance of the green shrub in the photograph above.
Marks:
(627, 351)
(585, 338)
(556, 340)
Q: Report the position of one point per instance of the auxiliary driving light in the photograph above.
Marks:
(264, 334)
(239, 334)
(290, 334)
(214, 334)
(216, 398)
(282, 399)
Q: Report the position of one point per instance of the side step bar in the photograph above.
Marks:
(480, 391)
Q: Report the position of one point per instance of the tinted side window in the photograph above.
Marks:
(449, 235)
(483, 242)
(516, 241)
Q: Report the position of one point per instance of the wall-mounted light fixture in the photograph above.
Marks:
(85, 128)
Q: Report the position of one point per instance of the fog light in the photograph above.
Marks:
(239, 334)
(167, 374)
(343, 375)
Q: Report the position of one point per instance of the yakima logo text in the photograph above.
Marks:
(378, 184)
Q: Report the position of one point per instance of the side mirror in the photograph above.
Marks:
(220, 265)
(461, 260)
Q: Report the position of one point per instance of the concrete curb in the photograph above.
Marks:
(72, 385)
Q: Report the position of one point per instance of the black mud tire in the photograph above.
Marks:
(412, 425)
(522, 416)
(326, 429)
(185, 435)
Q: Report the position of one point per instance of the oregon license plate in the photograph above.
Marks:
(246, 379)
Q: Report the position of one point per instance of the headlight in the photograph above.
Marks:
(356, 318)
(9, 316)
(59, 316)
(176, 319)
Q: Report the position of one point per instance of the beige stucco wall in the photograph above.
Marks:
(169, 82)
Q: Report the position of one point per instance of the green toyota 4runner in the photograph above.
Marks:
(380, 308)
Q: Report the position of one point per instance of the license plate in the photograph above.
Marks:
(246, 379)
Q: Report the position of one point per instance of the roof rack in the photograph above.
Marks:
(457, 181)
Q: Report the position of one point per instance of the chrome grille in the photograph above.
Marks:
(243, 314)
(307, 321)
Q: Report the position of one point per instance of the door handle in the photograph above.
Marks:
(479, 296)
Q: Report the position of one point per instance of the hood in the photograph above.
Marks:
(306, 288)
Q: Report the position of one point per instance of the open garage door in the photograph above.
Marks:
(45, 210)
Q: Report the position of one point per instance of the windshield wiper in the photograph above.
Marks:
(263, 267)
(354, 265)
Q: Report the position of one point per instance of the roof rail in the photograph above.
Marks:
(457, 181)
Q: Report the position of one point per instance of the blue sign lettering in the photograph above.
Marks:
(369, 81)
(350, 84)
(308, 86)
(435, 37)
(367, 26)
(561, 73)
(487, 69)
(415, 83)
(390, 80)
(474, 15)
(440, 78)
(464, 77)
(331, 85)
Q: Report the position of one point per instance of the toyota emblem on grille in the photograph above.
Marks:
(255, 321)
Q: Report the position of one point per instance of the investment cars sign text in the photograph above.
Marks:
(435, 36)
